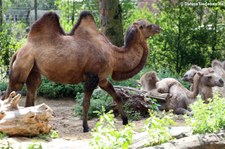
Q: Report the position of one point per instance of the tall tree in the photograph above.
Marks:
(111, 20)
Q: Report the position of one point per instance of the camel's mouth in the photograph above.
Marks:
(220, 83)
(156, 29)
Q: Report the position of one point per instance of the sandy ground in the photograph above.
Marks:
(68, 126)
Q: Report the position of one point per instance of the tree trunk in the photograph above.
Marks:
(19, 121)
(111, 20)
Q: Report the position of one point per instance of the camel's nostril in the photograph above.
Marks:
(221, 81)
(185, 77)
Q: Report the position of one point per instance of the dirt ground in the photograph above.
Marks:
(68, 126)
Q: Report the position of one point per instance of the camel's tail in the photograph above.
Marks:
(6, 94)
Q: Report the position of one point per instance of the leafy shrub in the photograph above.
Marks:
(56, 90)
(99, 99)
(34, 146)
(157, 126)
(3, 86)
(3, 135)
(208, 118)
(51, 135)
(106, 136)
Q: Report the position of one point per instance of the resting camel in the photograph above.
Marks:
(218, 68)
(209, 80)
(83, 55)
(178, 97)
(148, 83)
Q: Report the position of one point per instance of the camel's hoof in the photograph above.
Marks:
(86, 130)
(125, 120)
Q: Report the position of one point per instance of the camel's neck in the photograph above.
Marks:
(129, 60)
(196, 83)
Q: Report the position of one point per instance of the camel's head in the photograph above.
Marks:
(211, 79)
(189, 75)
(146, 28)
(151, 77)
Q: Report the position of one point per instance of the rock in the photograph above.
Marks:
(180, 132)
(207, 141)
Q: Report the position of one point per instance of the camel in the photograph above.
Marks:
(148, 82)
(178, 97)
(218, 68)
(83, 55)
(209, 80)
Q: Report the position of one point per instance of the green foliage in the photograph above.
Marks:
(3, 135)
(157, 126)
(131, 114)
(208, 118)
(34, 146)
(70, 11)
(6, 146)
(12, 37)
(106, 136)
(99, 99)
(3, 86)
(56, 90)
(189, 36)
(51, 135)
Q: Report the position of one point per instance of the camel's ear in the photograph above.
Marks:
(200, 73)
(211, 70)
(196, 67)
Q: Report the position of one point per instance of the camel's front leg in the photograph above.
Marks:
(107, 86)
(89, 86)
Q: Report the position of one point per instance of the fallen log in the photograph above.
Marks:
(138, 100)
(20, 121)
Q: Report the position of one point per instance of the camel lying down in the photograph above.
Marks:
(178, 98)
(83, 55)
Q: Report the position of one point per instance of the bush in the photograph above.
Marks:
(157, 126)
(99, 99)
(208, 118)
(56, 90)
(106, 136)
(3, 86)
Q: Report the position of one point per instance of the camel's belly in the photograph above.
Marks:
(64, 79)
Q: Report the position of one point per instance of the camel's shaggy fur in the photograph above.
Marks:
(83, 55)
(148, 83)
(178, 97)
(209, 80)
(218, 68)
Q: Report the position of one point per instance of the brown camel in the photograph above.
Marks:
(209, 80)
(83, 55)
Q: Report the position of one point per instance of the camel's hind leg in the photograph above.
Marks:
(33, 82)
(107, 86)
(12, 86)
(89, 86)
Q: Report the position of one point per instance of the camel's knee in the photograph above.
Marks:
(91, 83)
